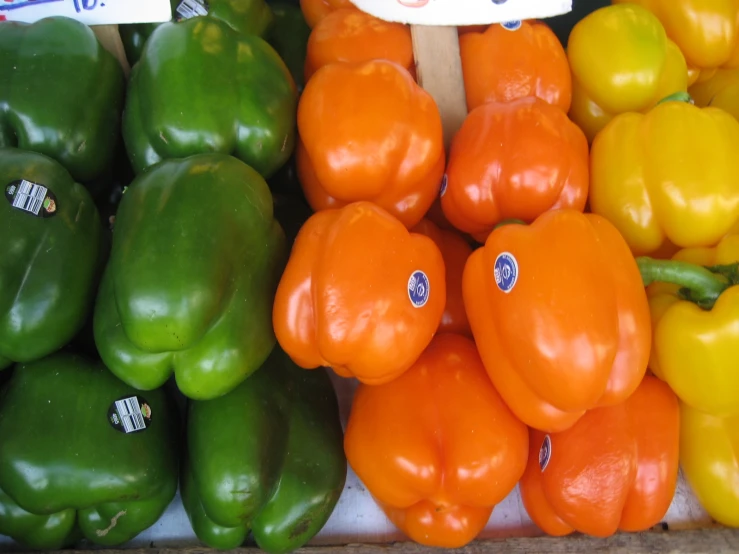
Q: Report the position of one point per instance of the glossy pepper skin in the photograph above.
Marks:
(49, 265)
(86, 478)
(195, 261)
(409, 443)
(267, 458)
(721, 90)
(61, 94)
(347, 301)
(350, 35)
(621, 61)
(289, 37)
(570, 281)
(242, 102)
(707, 32)
(514, 160)
(315, 10)
(455, 250)
(251, 17)
(615, 469)
(643, 181)
(368, 132)
(709, 450)
(695, 347)
(500, 65)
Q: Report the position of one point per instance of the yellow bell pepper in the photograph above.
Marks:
(720, 90)
(707, 31)
(709, 456)
(694, 305)
(695, 350)
(667, 177)
(621, 61)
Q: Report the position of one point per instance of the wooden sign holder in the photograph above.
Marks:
(110, 38)
(439, 70)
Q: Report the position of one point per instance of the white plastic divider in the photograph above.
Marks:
(462, 12)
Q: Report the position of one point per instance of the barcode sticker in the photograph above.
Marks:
(32, 198)
(191, 8)
(130, 415)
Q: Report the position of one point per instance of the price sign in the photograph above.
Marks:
(462, 12)
(90, 12)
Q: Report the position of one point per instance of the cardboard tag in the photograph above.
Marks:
(462, 12)
(90, 12)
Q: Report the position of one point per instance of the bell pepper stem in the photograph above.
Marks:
(730, 271)
(678, 97)
(511, 221)
(699, 284)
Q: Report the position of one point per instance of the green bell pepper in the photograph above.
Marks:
(202, 87)
(289, 37)
(61, 94)
(267, 458)
(79, 458)
(5, 376)
(251, 17)
(195, 263)
(51, 257)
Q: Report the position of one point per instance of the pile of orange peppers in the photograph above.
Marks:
(552, 302)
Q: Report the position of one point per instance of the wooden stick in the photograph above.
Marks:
(110, 38)
(439, 70)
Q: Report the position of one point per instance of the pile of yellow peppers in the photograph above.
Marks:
(656, 90)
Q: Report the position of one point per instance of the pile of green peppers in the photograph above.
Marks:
(146, 222)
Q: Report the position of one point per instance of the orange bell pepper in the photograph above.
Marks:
(367, 131)
(455, 250)
(514, 160)
(437, 448)
(463, 30)
(560, 316)
(348, 301)
(350, 35)
(315, 10)
(615, 469)
(436, 214)
(500, 65)
(707, 31)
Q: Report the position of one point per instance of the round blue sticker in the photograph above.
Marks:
(444, 180)
(418, 289)
(511, 25)
(506, 271)
(545, 453)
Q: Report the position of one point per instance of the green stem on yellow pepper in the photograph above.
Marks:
(730, 271)
(699, 284)
(678, 97)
